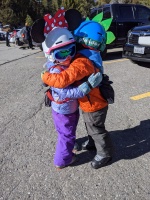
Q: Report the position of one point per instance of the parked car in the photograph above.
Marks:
(23, 35)
(2, 35)
(14, 36)
(23, 39)
(124, 17)
(137, 47)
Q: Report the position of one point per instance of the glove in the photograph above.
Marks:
(84, 88)
(93, 81)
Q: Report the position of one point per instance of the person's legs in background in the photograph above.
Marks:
(30, 43)
(7, 42)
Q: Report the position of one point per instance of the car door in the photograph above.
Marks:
(125, 20)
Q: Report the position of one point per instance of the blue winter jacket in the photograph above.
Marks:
(94, 56)
(71, 92)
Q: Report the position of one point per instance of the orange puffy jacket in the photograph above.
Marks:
(78, 69)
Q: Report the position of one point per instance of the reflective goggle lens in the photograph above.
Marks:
(63, 53)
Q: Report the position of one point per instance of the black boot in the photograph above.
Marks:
(87, 146)
(100, 161)
(75, 148)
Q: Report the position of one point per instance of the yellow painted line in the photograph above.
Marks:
(114, 61)
(140, 96)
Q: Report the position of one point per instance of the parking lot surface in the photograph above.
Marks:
(27, 135)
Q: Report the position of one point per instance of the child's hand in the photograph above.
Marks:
(95, 79)
(84, 87)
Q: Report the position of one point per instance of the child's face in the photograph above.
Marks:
(66, 62)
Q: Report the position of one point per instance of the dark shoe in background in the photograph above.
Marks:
(75, 148)
(87, 146)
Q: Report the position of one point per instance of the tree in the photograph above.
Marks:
(82, 5)
(52, 6)
(29, 21)
(14, 12)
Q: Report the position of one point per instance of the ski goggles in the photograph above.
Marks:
(61, 54)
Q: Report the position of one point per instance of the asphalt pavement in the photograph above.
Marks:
(13, 52)
(28, 136)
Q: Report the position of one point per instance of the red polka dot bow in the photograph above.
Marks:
(57, 21)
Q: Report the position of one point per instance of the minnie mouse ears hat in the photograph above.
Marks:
(37, 31)
(72, 19)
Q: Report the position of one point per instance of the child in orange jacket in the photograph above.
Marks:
(94, 106)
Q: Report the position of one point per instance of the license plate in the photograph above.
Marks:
(139, 50)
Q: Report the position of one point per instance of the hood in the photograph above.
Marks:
(145, 28)
(94, 56)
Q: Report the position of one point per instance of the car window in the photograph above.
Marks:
(100, 10)
(93, 14)
(106, 13)
(126, 12)
(142, 13)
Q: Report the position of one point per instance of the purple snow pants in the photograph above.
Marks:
(65, 126)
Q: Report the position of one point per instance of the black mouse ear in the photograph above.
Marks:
(37, 31)
(74, 19)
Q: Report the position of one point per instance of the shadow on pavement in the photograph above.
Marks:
(128, 144)
(83, 156)
(131, 143)
(143, 64)
(113, 55)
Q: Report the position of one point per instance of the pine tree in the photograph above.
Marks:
(16, 11)
(45, 3)
(52, 6)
